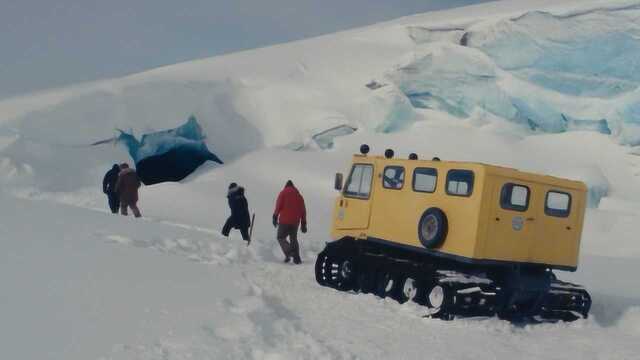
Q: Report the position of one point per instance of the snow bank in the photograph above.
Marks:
(631, 321)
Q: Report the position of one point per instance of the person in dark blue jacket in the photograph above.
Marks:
(109, 188)
(239, 206)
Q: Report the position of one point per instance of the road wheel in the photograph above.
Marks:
(385, 284)
(346, 274)
(439, 300)
(410, 290)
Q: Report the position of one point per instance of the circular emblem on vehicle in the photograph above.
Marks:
(517, 222)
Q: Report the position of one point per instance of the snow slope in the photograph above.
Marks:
(80, 283)
(527, 62)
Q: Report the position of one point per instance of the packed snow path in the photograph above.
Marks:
(86, 284)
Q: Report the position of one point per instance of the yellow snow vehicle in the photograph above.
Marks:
(461, 238)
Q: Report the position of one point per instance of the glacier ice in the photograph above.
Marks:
(168, 155)
(548, 72)
(388, 110)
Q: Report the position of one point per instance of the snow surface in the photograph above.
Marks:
(80, 283)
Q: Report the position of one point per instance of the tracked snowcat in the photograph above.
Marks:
(461, 238)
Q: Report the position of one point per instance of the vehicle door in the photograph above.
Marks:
(558, 241)
(354, 204)
(512, 222)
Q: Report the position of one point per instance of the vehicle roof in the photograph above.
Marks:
(489, 168)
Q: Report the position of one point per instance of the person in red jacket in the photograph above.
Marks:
(290, 213)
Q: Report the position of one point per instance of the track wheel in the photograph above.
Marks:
(385, 284)
(346, 274)
(410, 290)
(439, 300)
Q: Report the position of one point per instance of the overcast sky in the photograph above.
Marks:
(50, 43)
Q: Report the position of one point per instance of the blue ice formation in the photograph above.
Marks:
(168, 155)
(550, 73)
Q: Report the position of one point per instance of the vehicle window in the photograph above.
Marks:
(425, 179)
(514, 197)
(460, 182)
(359, 182)
(557, 204)
(393, 177)
(367, 177)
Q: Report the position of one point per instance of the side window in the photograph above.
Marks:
(393, 177)
(425, 179)
(460, 182)
(514, 197)
(557, 204)
(359, 183)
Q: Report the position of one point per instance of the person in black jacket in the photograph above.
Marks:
(109, 188)
(239, 218)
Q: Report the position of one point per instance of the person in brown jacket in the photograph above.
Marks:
(127, 188)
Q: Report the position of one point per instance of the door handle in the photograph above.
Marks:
(530, 219)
